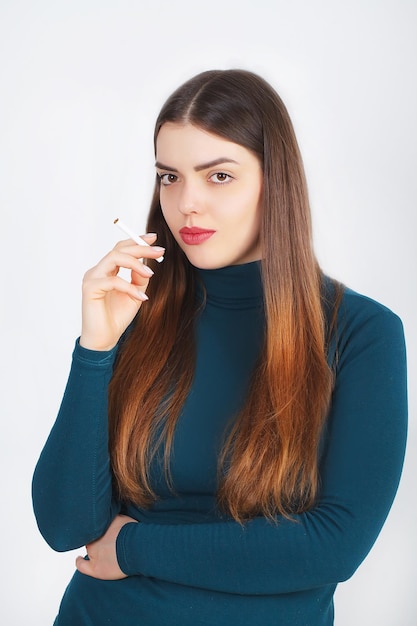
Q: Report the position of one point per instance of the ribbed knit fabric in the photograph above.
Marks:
(187, 564)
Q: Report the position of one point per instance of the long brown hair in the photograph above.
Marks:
(269, 461)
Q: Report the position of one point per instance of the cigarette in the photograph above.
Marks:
(133, 236)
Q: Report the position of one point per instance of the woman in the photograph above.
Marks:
(227, 451)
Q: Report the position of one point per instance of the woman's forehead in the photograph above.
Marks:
(197, 146)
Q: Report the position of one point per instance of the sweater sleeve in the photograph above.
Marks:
(72, 484)
(360, 468)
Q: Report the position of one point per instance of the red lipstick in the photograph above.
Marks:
(194, 236)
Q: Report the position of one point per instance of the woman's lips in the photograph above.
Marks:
(194, 236)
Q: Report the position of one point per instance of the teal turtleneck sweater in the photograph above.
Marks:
(186, 564)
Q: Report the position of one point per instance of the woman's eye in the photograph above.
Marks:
(167, 179)
(220, 177)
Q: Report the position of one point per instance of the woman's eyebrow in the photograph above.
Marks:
(198, 168)
(161, 166)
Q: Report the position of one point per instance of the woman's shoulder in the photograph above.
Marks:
(354, 305)
(360, 319)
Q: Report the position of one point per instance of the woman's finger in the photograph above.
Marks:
(126, 258)
(99, 287)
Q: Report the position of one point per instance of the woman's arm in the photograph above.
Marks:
(72, 484)
(360, 470)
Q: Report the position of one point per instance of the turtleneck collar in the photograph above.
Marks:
(235, 286)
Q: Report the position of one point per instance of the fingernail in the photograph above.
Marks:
(158, 249)
(142, 296)
(148, 270)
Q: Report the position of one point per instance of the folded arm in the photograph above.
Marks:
(360, 471)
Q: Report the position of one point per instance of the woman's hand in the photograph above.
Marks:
(102, 560)
(109, 302)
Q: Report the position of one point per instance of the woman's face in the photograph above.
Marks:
(210, 195)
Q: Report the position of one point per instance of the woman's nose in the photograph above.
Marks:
(190, 200)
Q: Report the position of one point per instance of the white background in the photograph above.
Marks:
(80, 85)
